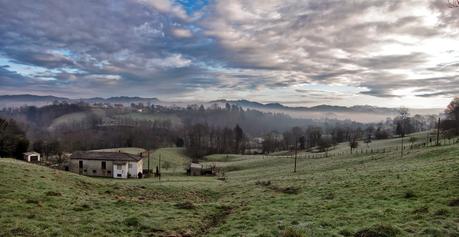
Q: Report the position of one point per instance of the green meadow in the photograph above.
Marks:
(350, 195)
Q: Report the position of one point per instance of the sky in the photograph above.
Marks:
(341, 52)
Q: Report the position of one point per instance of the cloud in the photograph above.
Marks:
(181, 33)
(358, 43)
(375, 49)
(166, 6)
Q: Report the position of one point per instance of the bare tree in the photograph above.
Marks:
(404, 112)
(453, 3)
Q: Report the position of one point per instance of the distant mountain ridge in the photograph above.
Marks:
(318, 108)
(39, 100)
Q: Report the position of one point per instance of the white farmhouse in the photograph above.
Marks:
(107, 164)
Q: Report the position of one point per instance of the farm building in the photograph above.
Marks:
(106, 164)
(32, 156)
(194, 169)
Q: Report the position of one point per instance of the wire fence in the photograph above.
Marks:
(407, 148)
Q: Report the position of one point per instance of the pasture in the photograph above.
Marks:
(417, 195)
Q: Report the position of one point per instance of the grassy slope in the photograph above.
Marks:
(333, 196)
(351, 193)
(174, 156)
(150, 117)
(37, 201)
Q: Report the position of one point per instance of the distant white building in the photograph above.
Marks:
(194, 169)
(32, 156)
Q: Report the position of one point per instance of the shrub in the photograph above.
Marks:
(345, 232)
(132, 221)
(32, 201)
(83, 207)
(378, 231)
(421, 210)
(290, 190)
(441, 212)
(291, 232)
(185, 205)
(52, 193)
(263, 183)
(329, 196)
(409, 194)
(454, 202)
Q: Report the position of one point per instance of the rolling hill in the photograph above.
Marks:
(358, 195)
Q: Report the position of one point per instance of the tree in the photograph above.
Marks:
(302, 142)
(402, 122)
(325, 143)
(453, 3)
(353, 144)
(38, 146)
(13, 141)
(367, 140)
(179, 142)
(381, 133)
(238, 136)
(452, 112)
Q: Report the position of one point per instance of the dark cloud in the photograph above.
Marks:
(160, 47)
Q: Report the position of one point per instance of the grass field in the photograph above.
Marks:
(175, 121)
(393, 144)
(173, 160)
(339, 196)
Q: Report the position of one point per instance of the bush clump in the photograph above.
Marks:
(289, 190)
(454, 202)
(185, 205)
(441, 212)
(409, 194)
(378, 231)
(263, 183)
(291, 232)
(345, 232)
(33, 201)
(132, 221)
(53, 194)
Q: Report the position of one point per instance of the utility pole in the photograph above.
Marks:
(402, 143)
(159, 165)
(148, 152)
(438, 131)
(296, 153)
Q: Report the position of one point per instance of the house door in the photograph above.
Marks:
(33, 158)
(118, 171)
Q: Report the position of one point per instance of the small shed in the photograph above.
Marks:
(195, 169)
(32, 156)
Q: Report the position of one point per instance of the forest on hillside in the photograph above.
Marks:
(67, 127)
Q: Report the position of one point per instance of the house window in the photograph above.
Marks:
(118, 175)
(94, 171)
(119, 167)
(104, 165)
(80, 164)
(109, 172)
(130, 166)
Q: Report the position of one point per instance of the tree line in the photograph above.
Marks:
(200, 130)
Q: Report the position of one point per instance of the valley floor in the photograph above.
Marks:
(417, 195)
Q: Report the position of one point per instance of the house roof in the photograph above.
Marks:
(113, 156)
(31, 153)
(195, 165)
